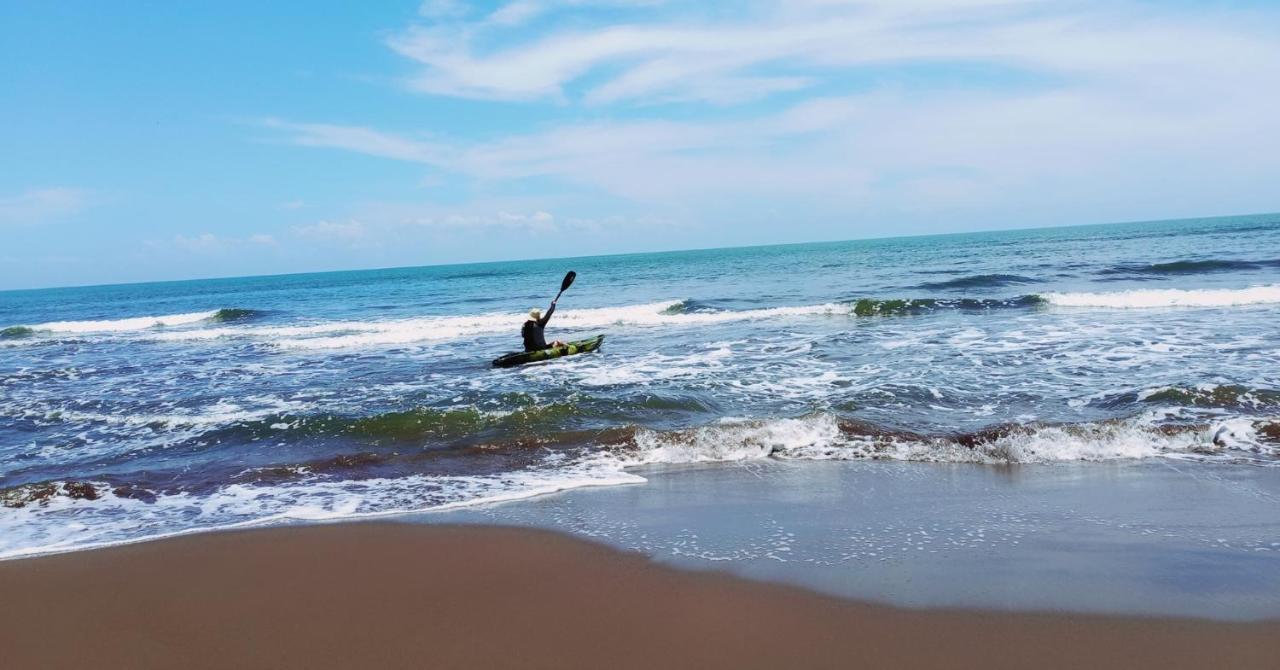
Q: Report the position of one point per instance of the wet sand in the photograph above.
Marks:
(408, 595)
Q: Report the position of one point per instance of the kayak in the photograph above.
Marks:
(522, 357)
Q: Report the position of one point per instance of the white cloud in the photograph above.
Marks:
(517, 12)
(1006, 104)
(359, 139)
(42, 205)
(209, 243)
(677, 58)
(329, 230)
(794, 45)
(475, 217)
(293, 204)
(200, 243)
(537, 221)
(851, 147)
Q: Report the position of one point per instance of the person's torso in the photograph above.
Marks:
(533, 337)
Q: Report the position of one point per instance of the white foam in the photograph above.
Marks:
(1148, 298)
(64, 524)
(220, 413)
(735, 440)
(1084, 442)
(61, 524)
(1239, 434)
(121, 325)
(356, 334)
(651, 368)
(820, 437)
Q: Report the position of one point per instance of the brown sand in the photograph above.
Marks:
(373, 595)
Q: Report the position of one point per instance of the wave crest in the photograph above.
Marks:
(1151, 298)
(135, 323)
(826, 437)
(234, 314)
(230, 322)
(16, 332)
(906, 306)
(1209, 395)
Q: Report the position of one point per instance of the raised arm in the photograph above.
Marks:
(542, 323)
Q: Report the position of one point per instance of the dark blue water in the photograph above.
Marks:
(149, 409)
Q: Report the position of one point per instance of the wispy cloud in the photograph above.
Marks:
(359, 139)
(445, 218)
(890, 106)
(869, 145)
(791, 45)
(210, 243)
(44, 205)
(331, 230)
(200, 243)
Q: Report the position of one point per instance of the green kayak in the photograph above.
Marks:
(522, 357)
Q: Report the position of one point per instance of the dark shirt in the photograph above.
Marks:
(532, 331)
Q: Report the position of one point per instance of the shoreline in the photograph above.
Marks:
(412, 595)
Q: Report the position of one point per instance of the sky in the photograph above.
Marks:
(154, 141)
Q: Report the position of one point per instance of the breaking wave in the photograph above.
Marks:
(118, 325)
(232, 323)
(234, 314)
(58, 520)
(826, 437)
(1231, 396)
(344, 334)
(137, 323)
(1149, 298)
(668, 313)
(906, 306)
(61, 515)
(15, 332)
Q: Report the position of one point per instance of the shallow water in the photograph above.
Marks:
(151, 409)
(1150, 538)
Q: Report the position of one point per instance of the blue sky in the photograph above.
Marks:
(148, 141)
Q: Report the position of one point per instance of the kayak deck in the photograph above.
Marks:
(521, 357)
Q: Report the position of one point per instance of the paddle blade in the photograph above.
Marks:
(568, 279)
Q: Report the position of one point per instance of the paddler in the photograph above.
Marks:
(532, 331)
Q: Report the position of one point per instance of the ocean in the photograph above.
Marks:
(147, 410)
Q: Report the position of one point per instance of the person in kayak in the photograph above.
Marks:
(532, 331)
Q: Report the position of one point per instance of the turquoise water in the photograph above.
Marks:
(150, 409)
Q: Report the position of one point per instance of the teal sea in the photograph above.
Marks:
(145, 410)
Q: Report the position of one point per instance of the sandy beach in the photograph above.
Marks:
(409, 595)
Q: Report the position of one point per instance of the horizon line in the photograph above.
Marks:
(630, 253)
